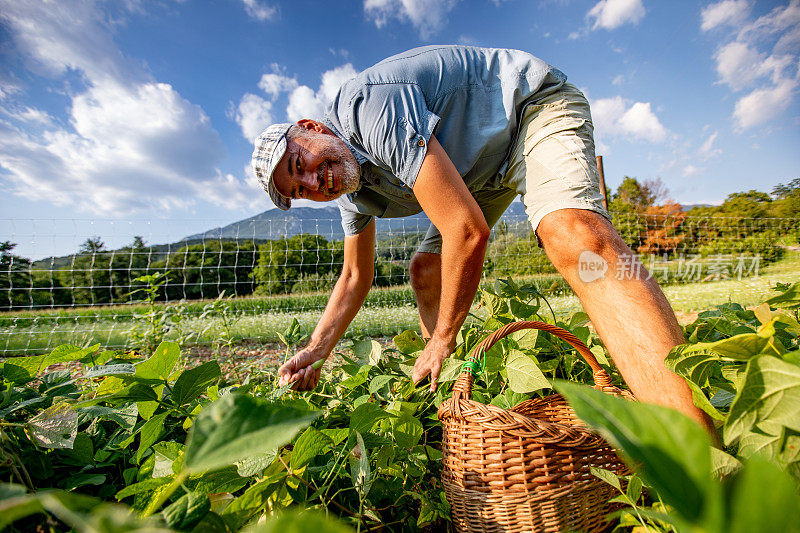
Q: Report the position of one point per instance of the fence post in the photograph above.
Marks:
(602, 181)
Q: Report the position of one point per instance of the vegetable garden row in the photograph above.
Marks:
(102, 441)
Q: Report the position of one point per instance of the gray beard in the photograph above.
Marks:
(351, 175)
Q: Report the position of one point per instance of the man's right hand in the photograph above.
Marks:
(299, 370)
(346, 299)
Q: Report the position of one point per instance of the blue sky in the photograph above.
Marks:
(139, 114)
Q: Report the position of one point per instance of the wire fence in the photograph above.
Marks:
(246, 281)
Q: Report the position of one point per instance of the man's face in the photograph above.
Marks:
(316, 166)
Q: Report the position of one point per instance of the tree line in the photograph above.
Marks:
(747, 223)
(95, 275)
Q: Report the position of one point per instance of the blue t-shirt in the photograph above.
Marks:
(470, 98)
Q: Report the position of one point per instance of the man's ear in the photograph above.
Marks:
(313, 125)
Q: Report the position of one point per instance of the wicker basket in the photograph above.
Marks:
(525, 469)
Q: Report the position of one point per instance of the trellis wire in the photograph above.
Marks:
(289, 266)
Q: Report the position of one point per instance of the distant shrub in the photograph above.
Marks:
(753, 245)
(314, 283)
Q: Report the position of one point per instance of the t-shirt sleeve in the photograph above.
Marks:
(394, 125)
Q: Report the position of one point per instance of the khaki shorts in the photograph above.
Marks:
(552, 165)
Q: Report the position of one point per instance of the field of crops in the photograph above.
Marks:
(97, 440)
(386, 312)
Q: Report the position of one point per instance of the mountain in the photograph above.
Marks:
(325, 221)
(274, 223)
(689, 207)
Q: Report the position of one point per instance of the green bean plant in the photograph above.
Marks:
(98, 440)
(158, 320)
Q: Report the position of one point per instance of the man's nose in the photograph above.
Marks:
(309, 181)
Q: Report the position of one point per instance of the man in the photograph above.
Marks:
(458, 132)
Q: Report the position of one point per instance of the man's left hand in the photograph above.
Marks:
(430, 361)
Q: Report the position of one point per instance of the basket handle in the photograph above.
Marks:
(463, 385)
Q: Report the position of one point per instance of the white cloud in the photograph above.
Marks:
(427, 16)
(763, 105)
(738, 64)
(639, 121)
(57, 36)
(783, 21)
(790, 40)
(275, 83)
(611, 14)
(131, 142)
(304, 102)
(690, 170)
(7, 87)
(467, 40)
(707, 150)
(259, 10)
(333, 79)
(344, 52)
(730, 12)
(253, 115)
(110, 164)
(28, 115)
(763, 55)
(617, 117)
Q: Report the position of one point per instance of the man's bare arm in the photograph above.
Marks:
(448, 203)
(346, 299)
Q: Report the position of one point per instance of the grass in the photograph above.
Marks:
(378, 297)
(386, 312)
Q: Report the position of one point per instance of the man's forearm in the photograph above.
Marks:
(346, 299)
(462, 265)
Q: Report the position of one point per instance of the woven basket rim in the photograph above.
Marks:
(448, 478)
(494, 417)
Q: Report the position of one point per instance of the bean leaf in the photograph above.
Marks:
(525, 338)
(161, 363)
(409, 342)
(167, 458)
(768, 400)
(407, 430)
(359, 467)
(369, 350)
(524, 375)
(120, 369)
(378, 382)
(365, 415)
(149, 434)
(751, 509)
(55, 427)
(451, 369)
(310, 444)
(193, 382)
(252, 501)
(301, 521)
(238, 426)
(252, 466)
